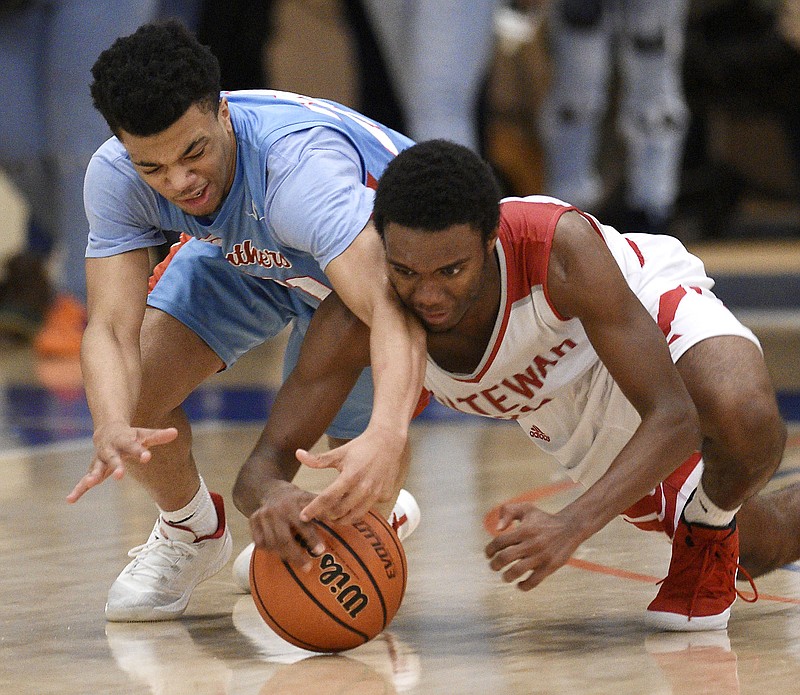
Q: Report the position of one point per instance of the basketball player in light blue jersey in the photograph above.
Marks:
(274, 191)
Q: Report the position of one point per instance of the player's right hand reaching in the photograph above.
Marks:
(116, 446)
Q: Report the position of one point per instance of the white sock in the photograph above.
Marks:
(701, 510)
(199, 515)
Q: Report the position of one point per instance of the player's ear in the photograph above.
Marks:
(491, 240)
(224, 113)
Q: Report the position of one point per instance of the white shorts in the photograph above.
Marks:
(677, 293)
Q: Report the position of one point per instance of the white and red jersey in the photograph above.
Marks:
(539, 367)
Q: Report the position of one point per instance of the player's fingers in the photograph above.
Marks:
(356, 512)
(329, 505)
(330, 459)
(98, 472)
(534, 579)
(508, 514)
(504, 558)
(290, 544)
(118, 473)
(313, 541)
(149, 437)
(114, 455)
(281, 537)
(518, 570)
(257, 532)
(306, 544)
(500, 543)
(83, 485)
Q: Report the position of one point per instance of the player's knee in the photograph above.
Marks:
(753, 430)
(757, 562)
(663, 117)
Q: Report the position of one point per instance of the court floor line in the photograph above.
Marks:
(545, 491)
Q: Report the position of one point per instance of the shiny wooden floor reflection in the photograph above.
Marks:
(459, 630)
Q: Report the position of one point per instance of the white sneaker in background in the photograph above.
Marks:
(405, 515)
(157, 583)
(241, 569)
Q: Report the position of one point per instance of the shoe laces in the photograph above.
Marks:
(714, 573)
(160, 554)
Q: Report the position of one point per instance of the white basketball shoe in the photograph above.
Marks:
(157, 583)
(404, 519)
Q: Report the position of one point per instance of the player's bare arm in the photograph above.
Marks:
(369, 465)
(585, 282)
(334, 352)
(111, 366)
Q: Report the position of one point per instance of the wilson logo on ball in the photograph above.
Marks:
(352, 598)
(352, 592)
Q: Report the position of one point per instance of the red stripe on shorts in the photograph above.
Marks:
(667, 308)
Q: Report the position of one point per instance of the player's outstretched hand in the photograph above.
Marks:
(531, 543)
(368, 468)
(115, 447)
(276, 526)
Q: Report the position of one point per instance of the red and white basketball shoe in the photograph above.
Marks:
(700, 587)
(158, 582)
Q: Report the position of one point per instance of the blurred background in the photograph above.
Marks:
(679, 117)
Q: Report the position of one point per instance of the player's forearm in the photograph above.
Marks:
(398, 356)
(291, 425)
(265, 470)
(112, 376)
(655, 451)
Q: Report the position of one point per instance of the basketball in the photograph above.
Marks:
(350, 595)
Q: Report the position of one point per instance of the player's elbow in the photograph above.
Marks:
(683, 421)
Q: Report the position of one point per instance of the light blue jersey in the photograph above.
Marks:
(295, 203)
(302, 191)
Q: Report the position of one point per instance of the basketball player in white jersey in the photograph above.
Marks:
(611, 352)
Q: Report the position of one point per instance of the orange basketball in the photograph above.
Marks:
(350, 595)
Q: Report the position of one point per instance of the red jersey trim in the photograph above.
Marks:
(526, 263)
(637, 252)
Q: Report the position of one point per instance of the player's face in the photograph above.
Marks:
(440, 276)
(192, 162)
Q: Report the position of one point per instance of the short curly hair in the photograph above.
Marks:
(436, 184)
(146, 81)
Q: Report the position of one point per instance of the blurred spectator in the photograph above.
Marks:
(743, 60)
(239, 31)
(48, 131)
(236, 31)
(438, 53)
(377, 93)
(644, 40)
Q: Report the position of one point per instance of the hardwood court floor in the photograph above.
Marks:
(459, 630)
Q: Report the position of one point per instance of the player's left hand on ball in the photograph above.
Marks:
(531, 544)
(276, 526)
(367, 471)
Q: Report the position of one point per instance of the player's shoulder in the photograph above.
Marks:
(531, 217)
(111, 153)
(110, 167)
(533, 206)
